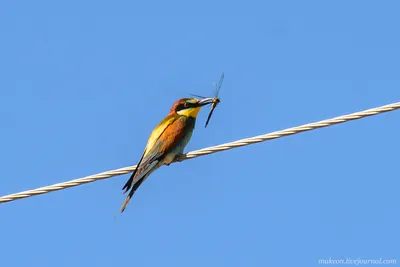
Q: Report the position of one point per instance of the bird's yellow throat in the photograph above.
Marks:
(190, 112)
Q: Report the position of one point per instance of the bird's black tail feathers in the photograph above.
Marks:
(128, 184)
(136, 179)
(129, 196)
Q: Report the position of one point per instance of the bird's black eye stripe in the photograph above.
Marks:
(184, 106)
(180, 107)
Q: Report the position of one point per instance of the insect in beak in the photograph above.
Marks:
(215, 100)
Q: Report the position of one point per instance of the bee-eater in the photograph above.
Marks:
(167, 141)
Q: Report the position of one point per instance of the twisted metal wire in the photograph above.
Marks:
(207, 150)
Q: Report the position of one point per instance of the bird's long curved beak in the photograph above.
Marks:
(205, 101)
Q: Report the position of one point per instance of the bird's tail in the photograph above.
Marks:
(137, 182)
(129, 196)
(129, 183)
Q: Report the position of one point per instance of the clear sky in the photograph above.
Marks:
(83, 83)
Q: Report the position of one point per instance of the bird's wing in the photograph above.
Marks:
(171, 136)
(151, 153)
(158, 131)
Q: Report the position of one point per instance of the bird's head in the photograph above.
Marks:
(189, 107)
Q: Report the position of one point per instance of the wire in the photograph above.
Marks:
(208, 150)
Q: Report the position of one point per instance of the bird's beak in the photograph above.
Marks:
(205, 101)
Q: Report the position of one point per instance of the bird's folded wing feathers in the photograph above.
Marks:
(170, 138)
(158, 131)
(155, 147)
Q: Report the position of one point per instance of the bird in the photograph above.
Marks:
(166, 142)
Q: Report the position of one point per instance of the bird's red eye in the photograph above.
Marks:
(186, 105)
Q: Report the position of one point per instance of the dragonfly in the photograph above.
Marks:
(215, 99)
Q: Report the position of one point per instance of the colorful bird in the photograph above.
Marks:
(166, 142)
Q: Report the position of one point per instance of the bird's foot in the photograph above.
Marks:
(179, 157)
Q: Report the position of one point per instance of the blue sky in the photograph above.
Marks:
(84, 83)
